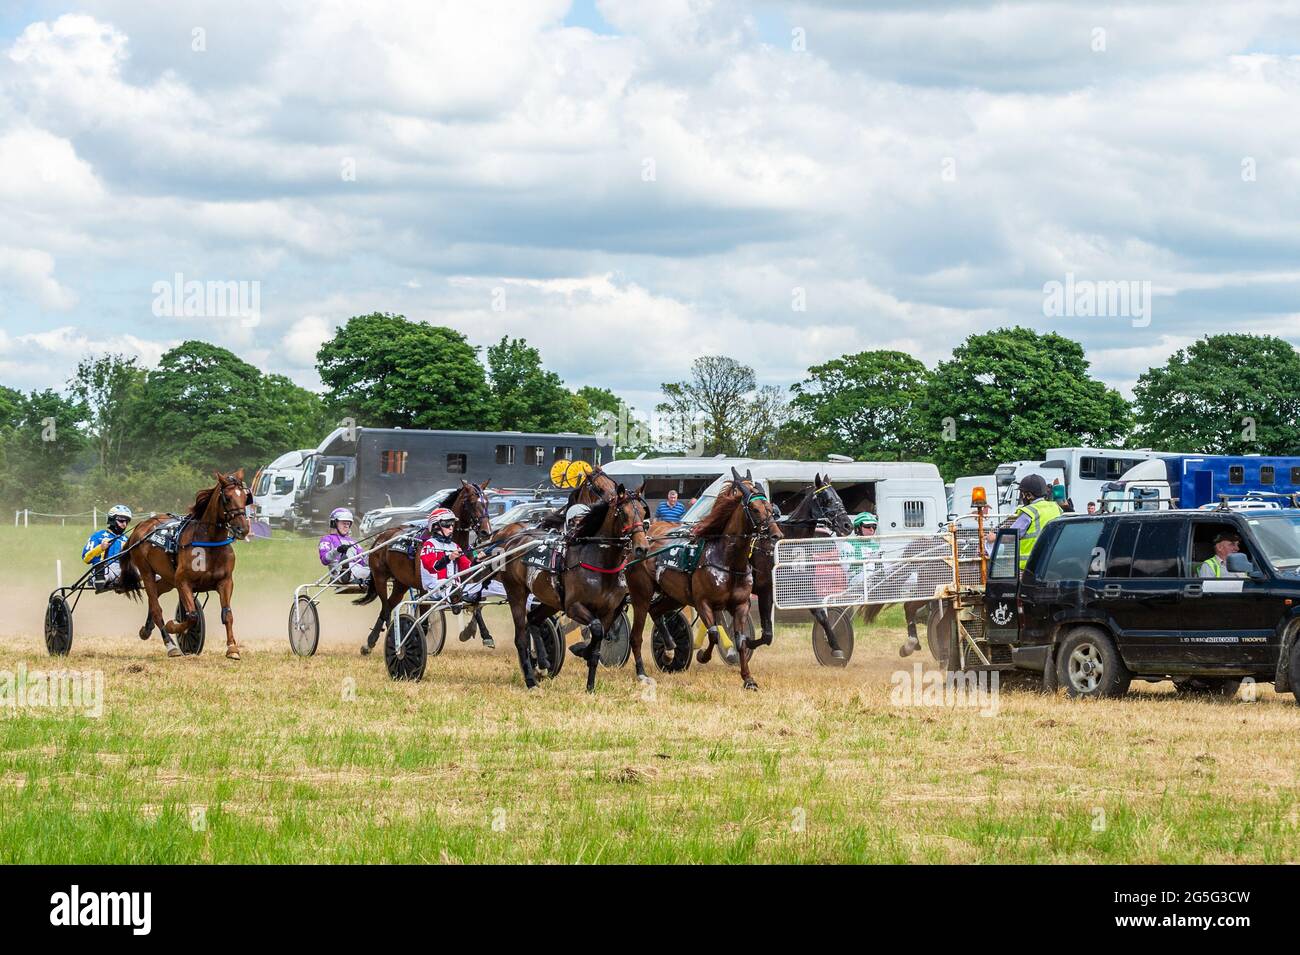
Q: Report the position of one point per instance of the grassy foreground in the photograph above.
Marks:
(277, 759)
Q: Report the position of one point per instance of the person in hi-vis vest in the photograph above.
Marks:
(1033, 514)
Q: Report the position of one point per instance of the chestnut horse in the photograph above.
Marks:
(722, 580)
(392, 564)
(591, 586)
(205, 561)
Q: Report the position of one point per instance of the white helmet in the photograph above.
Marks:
(340, 514)
(119, 510)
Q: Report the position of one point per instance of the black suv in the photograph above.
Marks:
(1110, 598)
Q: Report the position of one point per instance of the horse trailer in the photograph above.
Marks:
(367, 468)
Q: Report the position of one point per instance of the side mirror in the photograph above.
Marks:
(1240, 564)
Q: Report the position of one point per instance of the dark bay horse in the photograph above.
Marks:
(723, 578)
(819, 509)
(205, 560)
(591, 585)
(393, 571)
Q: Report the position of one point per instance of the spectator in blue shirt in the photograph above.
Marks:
(671, 509)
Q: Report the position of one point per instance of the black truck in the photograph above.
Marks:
(367, 468)
(1104, 600)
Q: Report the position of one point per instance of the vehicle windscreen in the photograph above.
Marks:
(1279, 538)
(699, 510)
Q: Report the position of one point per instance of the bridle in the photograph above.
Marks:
(226, 517)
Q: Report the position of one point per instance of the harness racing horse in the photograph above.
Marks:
(397, 566)
(590, 587)
(723, 578)
(819, 508)
(204, 562)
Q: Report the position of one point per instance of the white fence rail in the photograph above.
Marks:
(850, 571)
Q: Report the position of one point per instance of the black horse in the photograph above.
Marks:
(819, 510)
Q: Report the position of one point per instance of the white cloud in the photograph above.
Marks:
(303, 339)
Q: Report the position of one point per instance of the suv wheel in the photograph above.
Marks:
(1208, 686)
(1293, 667)
(1088, 665)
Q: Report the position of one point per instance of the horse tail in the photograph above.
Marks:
(130, 579)
(370, 594)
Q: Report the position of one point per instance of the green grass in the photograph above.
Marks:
(281, 765)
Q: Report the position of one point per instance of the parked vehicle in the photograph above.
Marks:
(1112, 598)
(959, 502)
(274, 487)
(1083, 471)
(369, 468)
(688, 476)
(1193, 480)
(905, 497)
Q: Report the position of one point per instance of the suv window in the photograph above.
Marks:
(1158, 550)
(1120, 560)
(1071, 555)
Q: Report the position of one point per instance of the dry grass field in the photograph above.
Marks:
(277, 759)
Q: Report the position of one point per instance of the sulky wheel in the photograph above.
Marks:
(435, 632)
(670, 642)
(304, 627)
(616, 646)
(841, 621)
(549, 634)
(191, 641)
(58, 626)
(408, 661)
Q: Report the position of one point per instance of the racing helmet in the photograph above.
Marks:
(865, 519)
(119, 510)
(340, 514)
(440, 515)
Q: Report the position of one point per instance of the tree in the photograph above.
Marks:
(108, 386)
(207, 408)
(717, 397)
(387, 372)
(40, 448)
(11, 407)
(866, 405)
(527, 396)
(591, 405)
(1013, 393)
(1226, 394)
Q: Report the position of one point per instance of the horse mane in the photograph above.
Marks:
(201, 501)
(593, 519)
(723, 508)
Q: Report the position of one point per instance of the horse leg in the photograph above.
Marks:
(597, 631)
(638, 626)
(710, 630)
(913, 641)
(225, 588)
(740, 625)
(386, 604)
(822, 619)
(156, 617)
(520, 617)
(541, 653)
(765, 616)
(482, 628)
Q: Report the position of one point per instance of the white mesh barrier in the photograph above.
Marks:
(848, 571)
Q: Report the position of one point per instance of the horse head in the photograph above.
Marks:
(472, 507)
(234, 499)
(635, 515)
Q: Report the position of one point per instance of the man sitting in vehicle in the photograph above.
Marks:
(104, 546)
(1225, 543)
(340, 553)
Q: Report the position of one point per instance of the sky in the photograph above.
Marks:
(632, 185)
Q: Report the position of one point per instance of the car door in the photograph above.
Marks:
(1229, 622)
(1143, 590)
(1001, 590)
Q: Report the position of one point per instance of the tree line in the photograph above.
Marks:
(1002, 395)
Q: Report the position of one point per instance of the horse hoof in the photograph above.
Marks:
(751, 685)
(232, 653)
(642, 678)
(533, 687)
(580, 649)
(174, 651)
(905, 651)
(144, 634)
(365, 649)
(701, 656)
(839, 654)
(733, 658)
(489, 643)
(467, 634)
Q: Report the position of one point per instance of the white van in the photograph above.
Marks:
(275, 484)
(687, 476)
(960, 502)
(907, 498)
